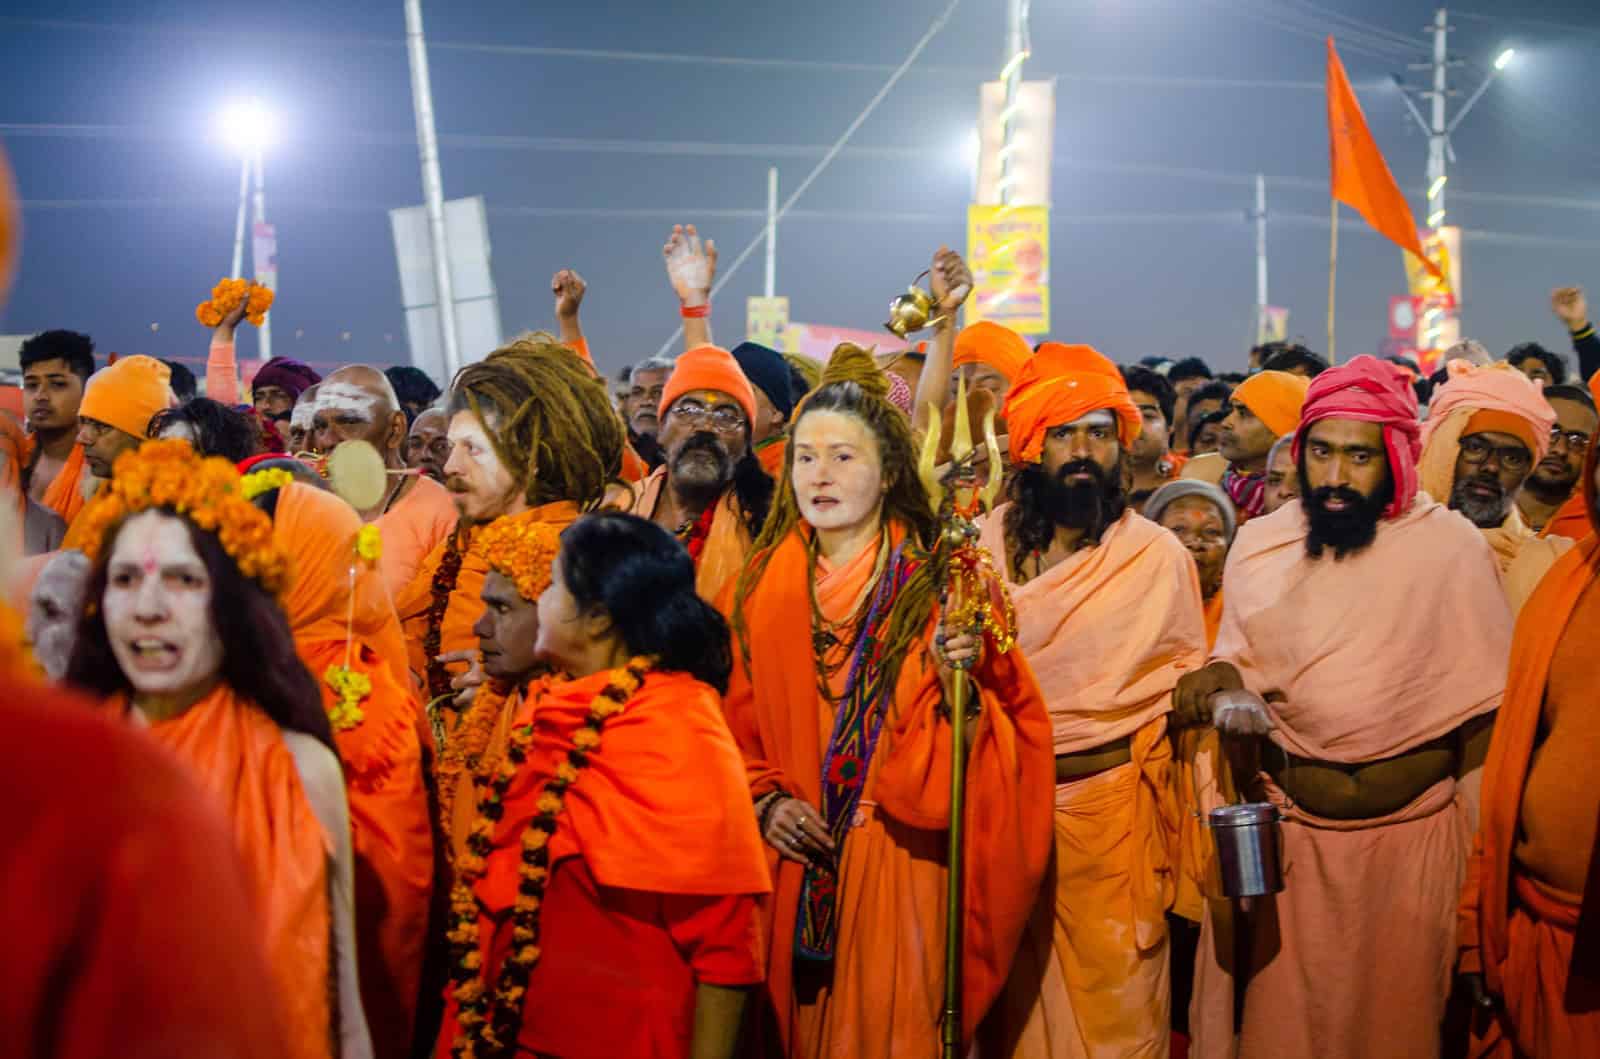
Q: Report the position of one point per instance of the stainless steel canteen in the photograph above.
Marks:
(1249, 847)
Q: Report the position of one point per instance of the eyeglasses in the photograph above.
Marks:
(1476, 450)
(1576, 441)
(723, 418)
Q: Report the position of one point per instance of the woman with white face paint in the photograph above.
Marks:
(846, 737)
(182, 626)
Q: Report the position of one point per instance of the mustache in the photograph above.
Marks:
(457, 484)
(1089, 467)
(702, 441)
(1320, 497)
(1488, 481)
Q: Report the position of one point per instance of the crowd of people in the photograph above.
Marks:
(558, 714)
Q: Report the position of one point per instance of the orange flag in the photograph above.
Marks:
(1360, 177)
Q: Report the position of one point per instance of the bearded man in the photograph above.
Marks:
(711, 493)
(1555, 478)
(1109, 617)
(1263, 408)
(532, 434)
(1337, 704)
(1487, 429)
(415, 513)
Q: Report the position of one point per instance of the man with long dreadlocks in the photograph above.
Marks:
(1109, 616)
(532, 435)
(846, 740)
(711, 491)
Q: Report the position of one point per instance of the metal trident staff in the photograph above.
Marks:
(960, 500)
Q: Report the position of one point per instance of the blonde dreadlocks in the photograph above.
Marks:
(549, 418)
(852, 384)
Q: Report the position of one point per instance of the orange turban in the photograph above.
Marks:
(1062, 384)
(709, 368)
(125, 395)
(989, 343)
(1275, 398)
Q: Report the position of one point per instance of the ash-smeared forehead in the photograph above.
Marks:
(346, 399)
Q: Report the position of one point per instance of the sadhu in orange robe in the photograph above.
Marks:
(1531, 878)
(655, 871)
(241, 760)
(1108, 632)
(719, 549)
(391, 832)
(868, 981)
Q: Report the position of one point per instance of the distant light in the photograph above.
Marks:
(1436, 187)
(1434, 218)
(1504, 58)
(1012, 64)
(247, 126)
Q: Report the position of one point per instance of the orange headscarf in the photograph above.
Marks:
(1275, 397)
(986, 342)
(239, 756)
(1062, 384)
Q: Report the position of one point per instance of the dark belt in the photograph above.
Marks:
(1077, 764)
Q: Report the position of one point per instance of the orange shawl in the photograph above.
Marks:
(413, 528)
(239, 756)
(465, 604)
(727, 544)
(778, 719)
(1571, 519)
(65, 493)
(390, 827)
(1486, 899)
(772, 455)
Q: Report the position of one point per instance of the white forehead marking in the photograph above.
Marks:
(345, 397)
(1100, 417)
(305, 411)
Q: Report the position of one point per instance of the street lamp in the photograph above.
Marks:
(248, 128)
(1503, 60)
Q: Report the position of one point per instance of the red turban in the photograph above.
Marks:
(1062, 384)
(1369, 390)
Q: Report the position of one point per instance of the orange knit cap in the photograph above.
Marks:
(128, 393)
(1062, 384)
(1001, 348)
(1275, 398)
(709, 368)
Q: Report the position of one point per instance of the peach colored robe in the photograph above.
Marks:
(885, 991)
(412, 529)
(727, 544)
(1108, 632)
(1375, 654)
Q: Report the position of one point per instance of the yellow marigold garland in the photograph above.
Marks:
(170, 475)
(225, 298)
(264, 481)
(369, 542)
(487, 1023)
(521, 550)
(352, 687)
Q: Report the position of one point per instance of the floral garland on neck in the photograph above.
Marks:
(487, 1023)
(465, 746)
(440, 692)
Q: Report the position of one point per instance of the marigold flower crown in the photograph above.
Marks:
(169, 475)
(521, 550)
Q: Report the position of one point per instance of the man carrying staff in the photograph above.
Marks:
(1328, 674)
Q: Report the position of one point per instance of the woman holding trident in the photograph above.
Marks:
(847, 740)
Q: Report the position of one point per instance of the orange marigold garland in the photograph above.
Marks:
(487, 1022)
(225, 299)
(521, 550)
(169, 474)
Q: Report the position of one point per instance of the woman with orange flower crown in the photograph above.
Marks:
(346, 633)
(183, 629)
(847, 742)
(605, 903)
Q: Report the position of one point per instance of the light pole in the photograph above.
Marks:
(248, 127)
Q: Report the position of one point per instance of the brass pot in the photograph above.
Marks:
(912, 311)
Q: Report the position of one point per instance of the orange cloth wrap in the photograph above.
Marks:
(391, 832)
(1500, 421)
(727, 543)
(1275, 398)
(239, 757)
(127, 394)
(987, 342)
(883, 997)
(1061, 384)
(411, 529)
(709, 368)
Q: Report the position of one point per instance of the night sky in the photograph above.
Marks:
(590, 128)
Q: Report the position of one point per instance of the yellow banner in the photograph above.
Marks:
(1008, 248)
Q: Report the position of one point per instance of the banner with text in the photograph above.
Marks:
(1008, 248)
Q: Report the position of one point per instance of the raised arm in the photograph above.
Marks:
(568, 288)
(222, 365)
(691, 269)
(950, 282)
(1569, 304)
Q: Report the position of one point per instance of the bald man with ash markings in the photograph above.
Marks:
(415, 513)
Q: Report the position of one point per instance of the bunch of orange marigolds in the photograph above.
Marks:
(226, 297)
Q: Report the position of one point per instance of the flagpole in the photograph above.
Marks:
(1333, 275)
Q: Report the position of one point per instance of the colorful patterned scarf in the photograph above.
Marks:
(1249, 492)
(856, 725)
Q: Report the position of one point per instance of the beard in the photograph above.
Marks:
(1553, 488)
(701, 468)
(1347, 531)
(1485, 512)
(1090, 506)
